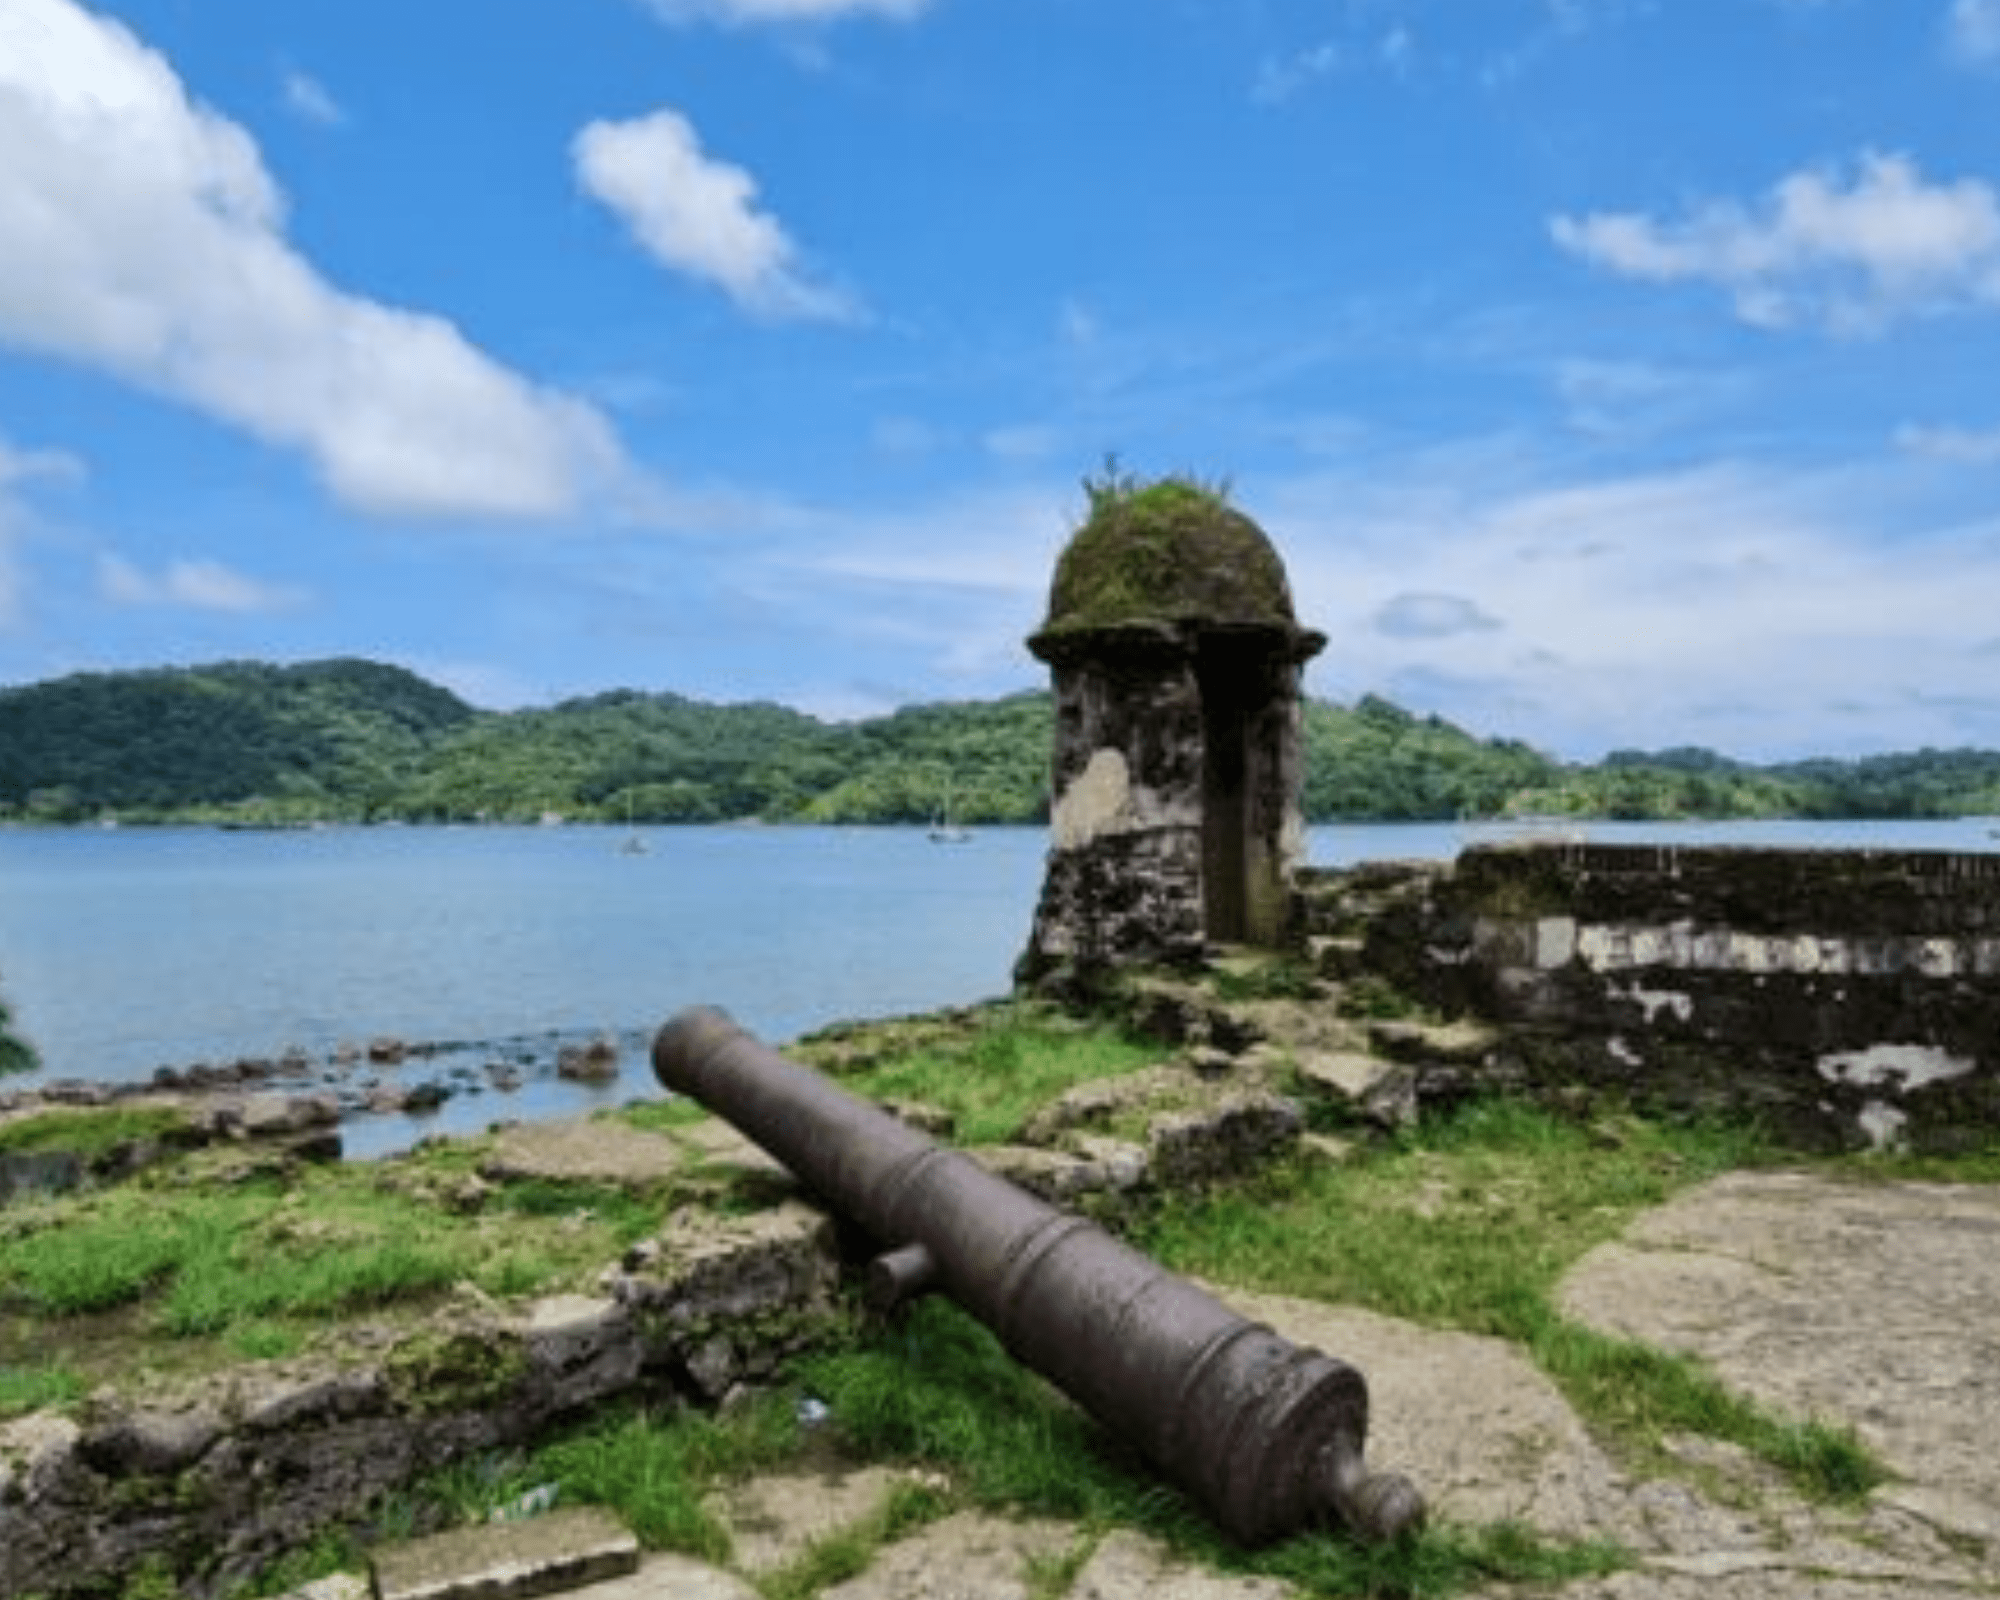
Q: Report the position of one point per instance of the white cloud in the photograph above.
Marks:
(22, 466)
(739, 12)
(961, 580)
(905, 436)
(1280, 78)
(1968, 445)
(1638, 399)
(306, 96)
(1972, 31)
(19, 467)
(1430, 616)
(1851, 252)
(1078, 324)
(1743, 608)
(698, 215)
(140, 234)
(1025, 441)
(192, 585)
(12, 585)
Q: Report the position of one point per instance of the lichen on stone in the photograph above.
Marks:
(446, 1370)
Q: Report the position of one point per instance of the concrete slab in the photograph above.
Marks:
(1872, 1304)
(1130, 1566)
(508, 1560)
(671, 1577)
(774, 1520)
(970, 1556)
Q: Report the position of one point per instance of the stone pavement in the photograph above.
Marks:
(1871, 1304)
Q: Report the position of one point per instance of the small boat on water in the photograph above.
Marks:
(635, 843)
(943, 830)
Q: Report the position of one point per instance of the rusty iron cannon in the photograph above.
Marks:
(1265, 1435)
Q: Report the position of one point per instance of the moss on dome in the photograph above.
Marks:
(1163, 553)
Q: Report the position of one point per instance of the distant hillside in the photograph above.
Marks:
(174, 738)
(359, 741)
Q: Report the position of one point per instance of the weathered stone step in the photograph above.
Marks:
(1464, 1043)
(508, 1560)
(1338, 955)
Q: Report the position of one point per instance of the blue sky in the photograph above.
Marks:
(1608, 372)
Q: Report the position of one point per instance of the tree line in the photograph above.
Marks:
(254, 744)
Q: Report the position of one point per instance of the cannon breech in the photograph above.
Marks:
(1265, 1435)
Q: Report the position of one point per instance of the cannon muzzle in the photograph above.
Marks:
(1265, 1435)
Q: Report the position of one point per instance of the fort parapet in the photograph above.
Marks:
(1849, 997)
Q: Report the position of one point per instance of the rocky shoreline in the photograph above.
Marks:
(306, 1106)
(384, 1074)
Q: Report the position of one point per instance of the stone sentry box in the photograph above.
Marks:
(1175, 815)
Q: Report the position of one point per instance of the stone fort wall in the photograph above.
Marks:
(1848, 997)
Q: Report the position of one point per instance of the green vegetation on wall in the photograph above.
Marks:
(1156, 552)
(357, 741)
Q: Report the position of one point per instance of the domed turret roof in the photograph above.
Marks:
(1170, 554)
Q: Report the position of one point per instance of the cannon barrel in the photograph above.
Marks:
(1265, 1435)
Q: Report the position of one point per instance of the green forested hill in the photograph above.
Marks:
(356, 740)
(1380, 762)
(171, 739)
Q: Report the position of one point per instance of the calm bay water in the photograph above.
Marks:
(124, 950)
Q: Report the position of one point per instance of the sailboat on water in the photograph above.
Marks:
(943, 830)
(635, 844)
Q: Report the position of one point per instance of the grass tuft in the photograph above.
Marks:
(847, 1553)
(654, 1469)
(25, 1389)
(936, 1389)
(88, 1133)
(240, 1263)
(1008, 1063)
(1444, 1560)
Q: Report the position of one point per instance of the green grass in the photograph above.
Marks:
(628, 1217)
(102, 1257)
(663, 1116)
(241, 1262)
(260, 1339)
(1469, 1224)
(25, 1389)
(936, 1389)
(209, 1261)
(88, 1133)
(847, 1553)
(334, 1551)
(655, 1470)
(1008, 1062)
(1273, 978)
(1979, 1163)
